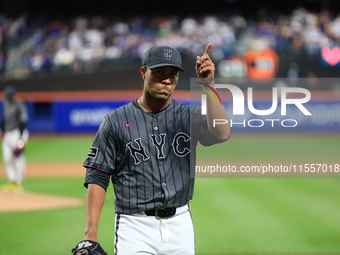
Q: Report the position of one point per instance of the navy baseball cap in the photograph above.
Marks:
(158, 56)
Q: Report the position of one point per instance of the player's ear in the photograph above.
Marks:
(142, 71)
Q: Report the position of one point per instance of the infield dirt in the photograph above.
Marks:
(31, 201)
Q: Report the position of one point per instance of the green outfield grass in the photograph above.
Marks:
(240, 146)
(53, 148)
(267, 216)
(231, 215)
(53, 232)
(267, 146)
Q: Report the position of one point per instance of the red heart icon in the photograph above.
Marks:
(331, 56)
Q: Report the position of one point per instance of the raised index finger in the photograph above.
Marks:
(207, 49)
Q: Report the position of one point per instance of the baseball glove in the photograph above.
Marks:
(88, 247)
(19, 147)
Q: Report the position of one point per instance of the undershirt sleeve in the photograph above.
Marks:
(201, 130)
(95, 176)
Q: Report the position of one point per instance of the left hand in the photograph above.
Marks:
(88, 247)
(205, 68)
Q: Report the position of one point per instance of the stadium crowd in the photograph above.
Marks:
(85, 42)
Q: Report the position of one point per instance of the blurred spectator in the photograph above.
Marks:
(1, 38)
(41, 61)
(26, 63)
(63, 58)
(75, 41)
(86, 42)
(312, 35)
(38, 39)
(55, 28)
(2, 62)
(12, 27)
(335, 29)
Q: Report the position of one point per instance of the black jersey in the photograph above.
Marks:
(150, 156)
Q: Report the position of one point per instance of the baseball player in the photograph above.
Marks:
(15, 136)
(144, 148)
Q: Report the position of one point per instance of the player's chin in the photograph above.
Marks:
(163, 96)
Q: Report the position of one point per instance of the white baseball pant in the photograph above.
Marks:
(15, 166)
(141, 234)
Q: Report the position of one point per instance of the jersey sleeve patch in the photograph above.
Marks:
(92, 152)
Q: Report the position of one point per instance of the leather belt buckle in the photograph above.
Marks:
(165, 213)
(161, 213)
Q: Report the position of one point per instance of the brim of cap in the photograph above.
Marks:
(159, 65)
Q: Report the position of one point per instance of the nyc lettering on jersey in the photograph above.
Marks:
(139, 152)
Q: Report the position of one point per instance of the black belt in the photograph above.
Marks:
(161, 213)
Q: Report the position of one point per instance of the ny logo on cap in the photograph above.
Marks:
(168, 54)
